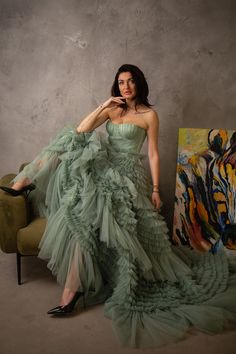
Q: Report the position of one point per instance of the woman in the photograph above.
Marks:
(105, 239)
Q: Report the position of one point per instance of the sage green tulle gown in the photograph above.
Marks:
(103, 234)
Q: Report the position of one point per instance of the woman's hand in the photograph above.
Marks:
(156, 200)
(99, 115)
(114, 102)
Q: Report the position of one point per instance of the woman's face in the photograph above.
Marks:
(127, 85)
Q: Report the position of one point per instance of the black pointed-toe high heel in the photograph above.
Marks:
(67, 309)
(29, 188)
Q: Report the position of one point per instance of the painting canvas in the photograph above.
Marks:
(205, 197)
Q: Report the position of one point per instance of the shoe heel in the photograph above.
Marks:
(83, 294)
(28, 193)
(29, 188)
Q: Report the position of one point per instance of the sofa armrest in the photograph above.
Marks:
(13, 216)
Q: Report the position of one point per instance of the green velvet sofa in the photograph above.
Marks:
(20, 231)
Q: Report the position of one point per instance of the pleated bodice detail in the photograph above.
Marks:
(125, 137)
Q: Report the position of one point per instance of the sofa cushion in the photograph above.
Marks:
(28, 238)
(13, 216)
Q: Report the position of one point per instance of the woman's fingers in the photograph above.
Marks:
(157, 203)
(118, 97)
(119, 100)
(154, 203)
(114, 100)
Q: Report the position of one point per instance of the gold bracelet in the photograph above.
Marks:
(156, 187)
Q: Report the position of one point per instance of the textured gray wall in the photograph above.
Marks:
(59, 57)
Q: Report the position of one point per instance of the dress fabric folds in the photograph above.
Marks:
(104, 237)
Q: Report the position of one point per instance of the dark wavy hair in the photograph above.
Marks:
(142, 89)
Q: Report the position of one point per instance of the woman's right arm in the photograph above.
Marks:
(99, 115)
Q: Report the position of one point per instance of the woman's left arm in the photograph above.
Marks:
(153, 155)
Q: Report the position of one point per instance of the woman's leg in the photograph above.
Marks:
(40, 169)
(73, 282)
(20, 184)
(67, 296)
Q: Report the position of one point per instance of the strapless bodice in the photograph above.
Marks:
(126, 137)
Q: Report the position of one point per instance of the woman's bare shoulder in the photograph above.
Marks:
(151, 117)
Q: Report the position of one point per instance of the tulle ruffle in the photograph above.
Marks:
(101, 223)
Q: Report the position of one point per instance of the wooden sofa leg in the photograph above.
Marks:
(18, 263)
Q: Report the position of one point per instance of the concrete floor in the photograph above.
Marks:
(25, 327)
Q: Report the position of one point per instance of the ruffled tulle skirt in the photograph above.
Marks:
(104, 236)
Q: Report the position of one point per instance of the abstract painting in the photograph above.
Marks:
(205, 197)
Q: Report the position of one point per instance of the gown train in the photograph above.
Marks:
(103, 234)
